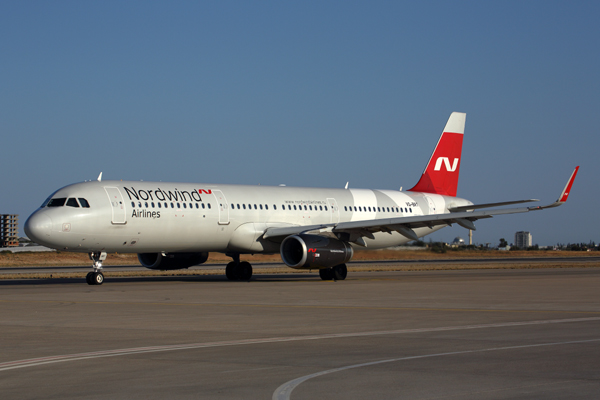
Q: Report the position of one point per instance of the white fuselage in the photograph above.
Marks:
(143, 217)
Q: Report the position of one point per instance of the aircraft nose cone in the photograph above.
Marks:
(38, 227)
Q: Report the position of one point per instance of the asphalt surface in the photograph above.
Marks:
(476, 334)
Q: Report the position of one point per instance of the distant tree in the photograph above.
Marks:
(503, 243)
(438, 247)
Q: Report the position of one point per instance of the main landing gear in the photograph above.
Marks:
(238, 271)
(337, 273)
(96, 277)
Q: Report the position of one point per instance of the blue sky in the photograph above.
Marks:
(306, 94)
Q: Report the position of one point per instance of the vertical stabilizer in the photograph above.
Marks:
(441, 173)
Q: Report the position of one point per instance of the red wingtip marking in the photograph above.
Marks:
(565, 194)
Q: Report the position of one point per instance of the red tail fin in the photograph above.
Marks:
(441, 174)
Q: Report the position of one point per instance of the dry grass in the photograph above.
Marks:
(57, 258)
(49, 259)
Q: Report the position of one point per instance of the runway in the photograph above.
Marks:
(417, 335)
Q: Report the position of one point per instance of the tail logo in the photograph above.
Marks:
(446, 162)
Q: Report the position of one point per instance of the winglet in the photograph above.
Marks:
(565, 193)
(100, 177)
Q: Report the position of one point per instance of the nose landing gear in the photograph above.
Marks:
(96, 277)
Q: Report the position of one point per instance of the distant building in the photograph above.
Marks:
(9, 230)
(523, 239)
(458, 241)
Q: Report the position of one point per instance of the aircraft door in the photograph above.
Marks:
(222, 206)
(431, 203)
(333, 210)
(117, 205)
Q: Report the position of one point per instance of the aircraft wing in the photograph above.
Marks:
(463, 216)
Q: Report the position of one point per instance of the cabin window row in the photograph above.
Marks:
(378, 209)
(289, 207)
(166, 205)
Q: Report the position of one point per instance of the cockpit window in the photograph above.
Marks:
(72, 202)
(84, 203)
(58, 202)
(45, 203)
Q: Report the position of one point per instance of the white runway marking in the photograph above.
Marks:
(33, 362)
(284, 391)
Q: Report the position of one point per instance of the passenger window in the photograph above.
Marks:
(184, 205)
(290, 207)
(310, 208)
(209, 206)
(133, 204)
(410, 209)
(139, 204)
(166, 205)
(305, 208)
(274, 207)
(294, 206)
(255, 207)
(261, 206)
(72, 202)
(325, 208)
(172, 206)
(152, 204)
(203, 206)
(321, 208)
(244, 206)
(146, 204)
(266, 207)
(57, 202)
(84, 203)
(178, 205)
(197, 206)
(354, 208)
(159, 205)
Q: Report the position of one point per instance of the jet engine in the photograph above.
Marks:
(166, 261)
(314, 252)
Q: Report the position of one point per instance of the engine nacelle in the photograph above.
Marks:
(166, 261)
(314, 252)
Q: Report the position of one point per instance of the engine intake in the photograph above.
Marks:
(314, 252)
(167, 261)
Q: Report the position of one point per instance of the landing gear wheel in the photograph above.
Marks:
(326, 274)
(340, 272)
(230, 271)
(244, 271)
(89, 278)
(98, 278)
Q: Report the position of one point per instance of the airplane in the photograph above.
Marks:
(176, 225)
